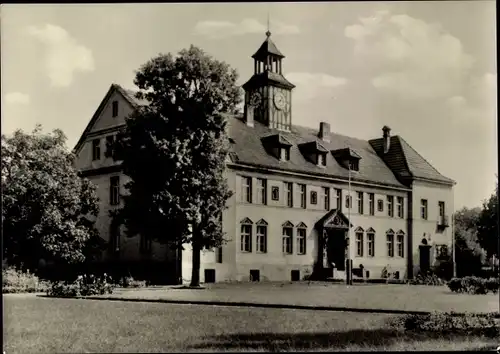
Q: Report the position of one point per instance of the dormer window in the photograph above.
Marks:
(278, 146)
(284, 153)
(321, 159)
(347, 158)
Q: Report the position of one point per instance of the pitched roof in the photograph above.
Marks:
(346, 153)
(266, 48)
(406, 162)
(268, 77)
(249, 150)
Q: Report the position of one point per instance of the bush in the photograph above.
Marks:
(449, 323)
(130, 282)
(84, 285)
(16, 281)
(473, 285)
(427, 279)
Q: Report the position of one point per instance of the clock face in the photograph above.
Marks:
(279, 100)
(255, 99)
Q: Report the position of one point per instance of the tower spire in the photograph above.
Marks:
(268, 33)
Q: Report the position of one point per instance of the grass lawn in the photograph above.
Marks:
(364, 296)
(44, 325)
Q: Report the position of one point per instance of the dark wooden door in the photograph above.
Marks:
(336, 249)
(425, 259)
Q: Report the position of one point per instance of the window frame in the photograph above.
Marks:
(371, 204)
(114, 190)
(313, 198)
(390, 206)
(261, 239)
(400, 244)
(400, 207)
(261, 191)
(287, 240)
(275, 193)
(389, 236)
(114, 109)
(370, 240)
(289, 194)
(338, 198)
(360, 200)
(326, 198)
(96, 149)
(359, 243)
(246, 189)
(301, 240)
(380, 205)
(424, 209)
(303, 196)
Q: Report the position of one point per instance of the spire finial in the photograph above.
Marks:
(268, 33)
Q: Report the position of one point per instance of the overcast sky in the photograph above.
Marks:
(426, 69)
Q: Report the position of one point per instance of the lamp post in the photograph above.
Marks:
(453, 245)
(348, 273)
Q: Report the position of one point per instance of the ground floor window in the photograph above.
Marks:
(371, 244)
(261, 239)
(301, 241)
(254, 275)
(295, 275)
(246, 238)
(359, 244)
(287, 239)
(209, 275)
(401, 245)
(390, 244)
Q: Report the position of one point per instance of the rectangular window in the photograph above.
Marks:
(261, 191)
(287, 240)
(246, 189)
(261, 239)
(390, 245)
(360, 202)
(359, 244)
(314, 198)
(390, 206)
(441, 210)
(400, 201)
(348, 201)
(423, 209)
(326, 196)
(246, 238)
(145, 246)
(371, 244)
(275, 193)
(114, 190)
(380, 205)
(284, 154)
(219, 254)
(321, 160)
(401, 243)
(110, 139)
(301, 241)
(354, 165)
(115, 109)
(96, 149)
(289, 194)
(302, 190)
(338, 199)
(371, 203)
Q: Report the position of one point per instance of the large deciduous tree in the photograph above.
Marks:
(48, 210)
(174, 151)
(488, 225)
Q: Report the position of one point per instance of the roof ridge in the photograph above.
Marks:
(423, 158)
(338, 134)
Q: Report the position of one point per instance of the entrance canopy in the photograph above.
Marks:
(334, 219)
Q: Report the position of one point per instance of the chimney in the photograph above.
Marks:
(324, 132)
(387, 138)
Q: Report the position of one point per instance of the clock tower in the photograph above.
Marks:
(268, 95)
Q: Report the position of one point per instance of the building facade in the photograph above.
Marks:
(304, 201)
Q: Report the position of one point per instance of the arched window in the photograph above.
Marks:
(301, 238)
(390, 242)
(246, 235)
(359, 232)
(400, 242)
(370, 238)
(287, 237)
(261, 235)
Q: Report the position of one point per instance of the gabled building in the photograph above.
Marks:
(291, 210)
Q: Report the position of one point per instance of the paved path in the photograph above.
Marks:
(392, 298)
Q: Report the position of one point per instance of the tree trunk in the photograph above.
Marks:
(195, 275)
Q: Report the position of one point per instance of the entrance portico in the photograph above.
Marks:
(333, 240)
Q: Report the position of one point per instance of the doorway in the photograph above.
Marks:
(336, 248)
(425, 259)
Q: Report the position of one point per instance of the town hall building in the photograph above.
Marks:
(291, 210)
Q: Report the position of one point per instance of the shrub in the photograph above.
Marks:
(16, 281)
(84, 285)
(473, 285)
(448, 322)
(427, 279)
(130, 282)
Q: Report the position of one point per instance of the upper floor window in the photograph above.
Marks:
(348, 201)
(284, 153)
(114, 190)
(360, 202)
(354, 165)
(246, 235)
(423, 209)
(115, 109)
(441, 210)
(261, 236)
(110, 139)
(390, 205)
(289, 194)
(96, 149)
(261, 191)
(302, 191)
(326, 197)
(314, 198)
(400, 207)
(246, 189)
(371, 203)
(275, 193)
(380, 205)
(338, 199)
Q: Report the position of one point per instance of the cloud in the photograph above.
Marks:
(222, 29)
(314, 85)
(64, 56)
(17, 98)
(414, 59)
